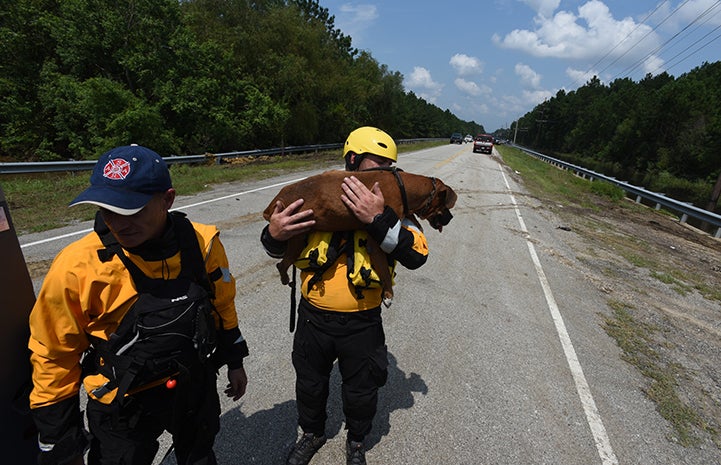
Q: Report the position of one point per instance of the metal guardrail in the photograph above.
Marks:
(85, 165)
(660, 200)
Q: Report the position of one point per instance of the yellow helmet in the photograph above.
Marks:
(370, 140)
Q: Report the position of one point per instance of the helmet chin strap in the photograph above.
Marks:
(357, 159)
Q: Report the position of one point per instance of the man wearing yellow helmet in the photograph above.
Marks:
(339, 315)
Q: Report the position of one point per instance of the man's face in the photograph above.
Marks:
(374, 161)
(148, 223)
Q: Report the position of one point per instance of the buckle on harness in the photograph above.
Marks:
(101, 391)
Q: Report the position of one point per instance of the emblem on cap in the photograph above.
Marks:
(116, 169)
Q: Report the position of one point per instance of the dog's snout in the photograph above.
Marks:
(445, 217)
(441, 219)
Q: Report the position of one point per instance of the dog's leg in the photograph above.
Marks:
(379, 260)
(293, 249)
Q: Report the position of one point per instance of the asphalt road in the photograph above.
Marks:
(497, 354)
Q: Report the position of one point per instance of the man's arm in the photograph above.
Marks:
(56, 342)
(232, 347)
(401, 240)
(60, 432)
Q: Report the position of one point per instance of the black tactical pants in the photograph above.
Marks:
(127, 435)
(357, 341)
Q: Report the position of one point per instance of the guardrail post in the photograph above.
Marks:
(638, 199)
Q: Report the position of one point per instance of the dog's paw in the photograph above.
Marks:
(284, 279)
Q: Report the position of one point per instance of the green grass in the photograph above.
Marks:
(636, 341)
(559, 185)
(39, 202)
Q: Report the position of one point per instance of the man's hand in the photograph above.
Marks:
(286, 223)
(237, 383)
(363, 202)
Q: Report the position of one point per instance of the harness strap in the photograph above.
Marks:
(335, 250)
(395, 170)
(192, 265)
(192, 268)
(402, 188)
(423, 211)
(293, 305)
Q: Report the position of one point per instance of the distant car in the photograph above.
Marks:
(468, 138)
(483, 144)
(456, 138)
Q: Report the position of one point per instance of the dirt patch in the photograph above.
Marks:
(39, 268)
(666, 278)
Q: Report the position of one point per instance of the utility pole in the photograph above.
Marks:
(515, 133)
(714, 195)
(540, 123)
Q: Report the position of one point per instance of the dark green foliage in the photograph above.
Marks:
(663, 133)
(78, 77)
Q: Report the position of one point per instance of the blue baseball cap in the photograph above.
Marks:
(125, 179)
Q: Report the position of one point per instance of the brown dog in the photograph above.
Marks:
(407, 194)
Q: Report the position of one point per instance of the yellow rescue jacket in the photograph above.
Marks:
(83, 296)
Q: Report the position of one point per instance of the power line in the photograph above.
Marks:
(676, 10)
(643, 21)
(708, 18)
(695, 51)
(626, 72)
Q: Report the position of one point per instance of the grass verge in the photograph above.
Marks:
(636, 341)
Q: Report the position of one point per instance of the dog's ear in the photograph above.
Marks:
(450, 197)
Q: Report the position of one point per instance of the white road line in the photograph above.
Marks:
(184, 207)
(600, 437)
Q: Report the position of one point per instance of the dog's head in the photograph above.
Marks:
(439, 212)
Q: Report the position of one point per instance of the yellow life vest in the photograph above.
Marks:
(324, 248)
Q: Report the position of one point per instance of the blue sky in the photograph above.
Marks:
(492, 61)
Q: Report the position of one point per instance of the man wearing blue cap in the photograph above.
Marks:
(141, 312)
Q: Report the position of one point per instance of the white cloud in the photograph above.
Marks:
(653, 65)
(467, 87)
(353, 20)
(471, 88)
(580, 77)
(543, 7)
(421, 82)
(534, 97)
(360, 13)
(465, 65)
(470, 111)
(528, 76)
(591, 34)
(687, 12)
(527, 98)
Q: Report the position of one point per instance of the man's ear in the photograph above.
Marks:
(168, 198)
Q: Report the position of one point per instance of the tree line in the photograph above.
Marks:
(662, 133)
(78, 77)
